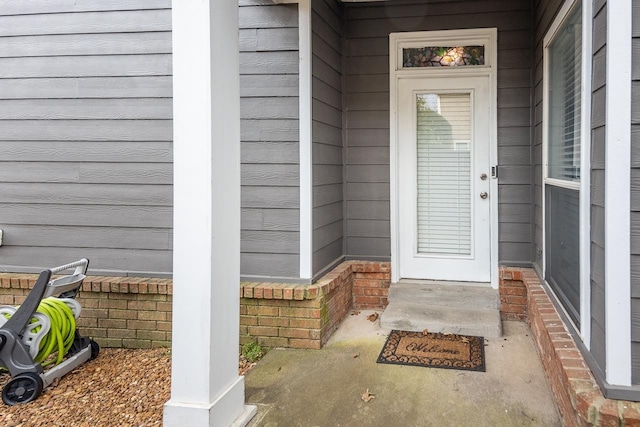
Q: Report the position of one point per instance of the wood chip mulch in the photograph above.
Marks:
(121, 387)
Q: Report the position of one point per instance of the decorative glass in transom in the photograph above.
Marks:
(440, 56)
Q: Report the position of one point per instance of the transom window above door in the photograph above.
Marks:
(442, 56)
(467, 49)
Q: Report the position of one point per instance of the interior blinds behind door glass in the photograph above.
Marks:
(564, 99)
(444, 173)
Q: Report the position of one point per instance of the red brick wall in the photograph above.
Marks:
(116, 311)
(513, 295)
(305, 316)
(579, 399)
(371, 283)
(136, 312)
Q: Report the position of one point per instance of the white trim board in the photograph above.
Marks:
(618, 196)
(305, 103)
(305, 148)
(485, 36)
(585, 179)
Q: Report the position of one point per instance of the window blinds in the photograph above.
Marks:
(444, 173)
(564, 100)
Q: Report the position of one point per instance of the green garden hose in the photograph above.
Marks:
(60, 337)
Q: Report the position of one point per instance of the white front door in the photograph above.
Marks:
(444, 217)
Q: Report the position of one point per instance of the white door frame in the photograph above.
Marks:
(482, 36)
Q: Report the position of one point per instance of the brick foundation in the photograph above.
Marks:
(513, 296)
(579, 399)
(116, 311)
(305, 316)
(136, 312)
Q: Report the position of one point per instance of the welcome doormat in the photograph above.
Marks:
(435, 350)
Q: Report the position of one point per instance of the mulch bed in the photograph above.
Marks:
(121, 387)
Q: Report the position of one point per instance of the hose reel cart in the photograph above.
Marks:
(42, 325)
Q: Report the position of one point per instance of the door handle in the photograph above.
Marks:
(484, 195)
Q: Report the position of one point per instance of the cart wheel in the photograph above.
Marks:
(95, 350)
(22, 389)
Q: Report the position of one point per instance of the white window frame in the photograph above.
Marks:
(477, 36)
(585, 161)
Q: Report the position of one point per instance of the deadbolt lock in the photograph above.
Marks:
(484, 195)
(483, 176)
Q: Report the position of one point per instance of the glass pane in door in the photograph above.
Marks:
(444, 173)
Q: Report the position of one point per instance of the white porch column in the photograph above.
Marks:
(206, 389)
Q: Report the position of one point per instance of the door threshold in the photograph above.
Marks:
(444, 283)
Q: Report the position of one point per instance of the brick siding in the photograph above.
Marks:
(116, 311)
(579, 399)
(305, 316)
(136, 312)
(513, 295)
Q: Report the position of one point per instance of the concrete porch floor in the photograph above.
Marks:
(324, 387)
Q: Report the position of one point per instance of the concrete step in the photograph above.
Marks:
(437, 307)
(442, 294)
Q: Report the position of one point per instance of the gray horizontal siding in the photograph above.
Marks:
(87, 109)
(87, 173)
(73, 236)
(86, 88)
(327, 139)
(88, 22)
(37, 7)
(78, 215)
(89, 66)
(104, 261)
(270, 172)
(122, 152)
(635, 199)
(598, 335)
(545, 11)
(86, 135)
(86, 44)
(367, 115)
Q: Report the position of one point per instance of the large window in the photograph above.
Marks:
(565, 64)
(563, 121)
